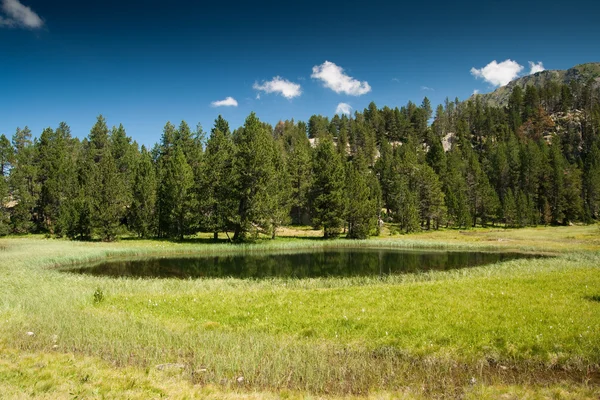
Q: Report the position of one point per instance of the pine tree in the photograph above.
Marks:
(279, 200)
(515, 108)
(23, 182)
(57, 178)
(4, 214)
(365, 140)
(405, 192)
(572, 204)
(363, 207)
(6, 156)
(523, 209)
(566, 98)
(384, 170)
(488, 206)
(124, 152)
(375, 121)
(317, 125)
(456, 191)
(178, 181)
(510, 209)
(6, 159)
(102, 197)
(108, 197)
(499, 169)
(531, 102)
(254, 173)
(436, 156)
(532, 170)
(144, 192)
(592, 183)
(47, 160)
(513, 152)
(299, 169)
(184, 139)
(218, 201)
(327, 191)
(191, 145)
(162, 154)
(556, 184)
(483, 200)
(431, 197)
(406, 202)
(76, 215)
(98, 139)
(343, 141)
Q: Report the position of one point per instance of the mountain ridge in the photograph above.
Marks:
(579, 73)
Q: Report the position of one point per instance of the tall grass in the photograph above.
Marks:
(528, 321)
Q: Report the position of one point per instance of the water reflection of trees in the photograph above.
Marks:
(323, 263)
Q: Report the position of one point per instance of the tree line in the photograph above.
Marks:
(535, 161)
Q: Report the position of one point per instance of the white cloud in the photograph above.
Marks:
(287, 89)
(533, 67)
(334, 78)
(343, 108)
(395, 80)
(476, 91)
(228, 102)
(427, 88)
(17, 14)
(498, 74)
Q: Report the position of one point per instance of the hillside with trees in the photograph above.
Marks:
(550, 82)
(533, 160)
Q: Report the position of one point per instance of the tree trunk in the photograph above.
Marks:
(216, 236)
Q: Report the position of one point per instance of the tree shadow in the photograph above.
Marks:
(595, 298)
(185, 240)
(225, 240)
(198, 240)
(305, 238)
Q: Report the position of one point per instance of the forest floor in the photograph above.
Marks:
(526, 328)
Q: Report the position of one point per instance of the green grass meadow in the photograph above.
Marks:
(527, 328)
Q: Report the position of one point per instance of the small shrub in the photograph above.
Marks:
(98, 296)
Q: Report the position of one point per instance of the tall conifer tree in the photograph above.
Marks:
(254, 174)
(144, 192)
(327, 198)
(218, 201)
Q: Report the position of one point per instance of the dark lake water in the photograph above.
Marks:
(303, 264)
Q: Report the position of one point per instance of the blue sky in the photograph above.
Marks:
(143, 63)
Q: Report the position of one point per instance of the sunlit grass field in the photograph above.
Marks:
(525, 328)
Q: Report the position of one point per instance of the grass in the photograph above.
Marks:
(523, 328)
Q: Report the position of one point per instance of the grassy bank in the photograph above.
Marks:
(528, 327)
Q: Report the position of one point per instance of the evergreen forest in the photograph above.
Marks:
(533, 162)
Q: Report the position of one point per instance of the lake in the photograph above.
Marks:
(339, 262)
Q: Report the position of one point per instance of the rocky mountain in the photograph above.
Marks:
(580, 73)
